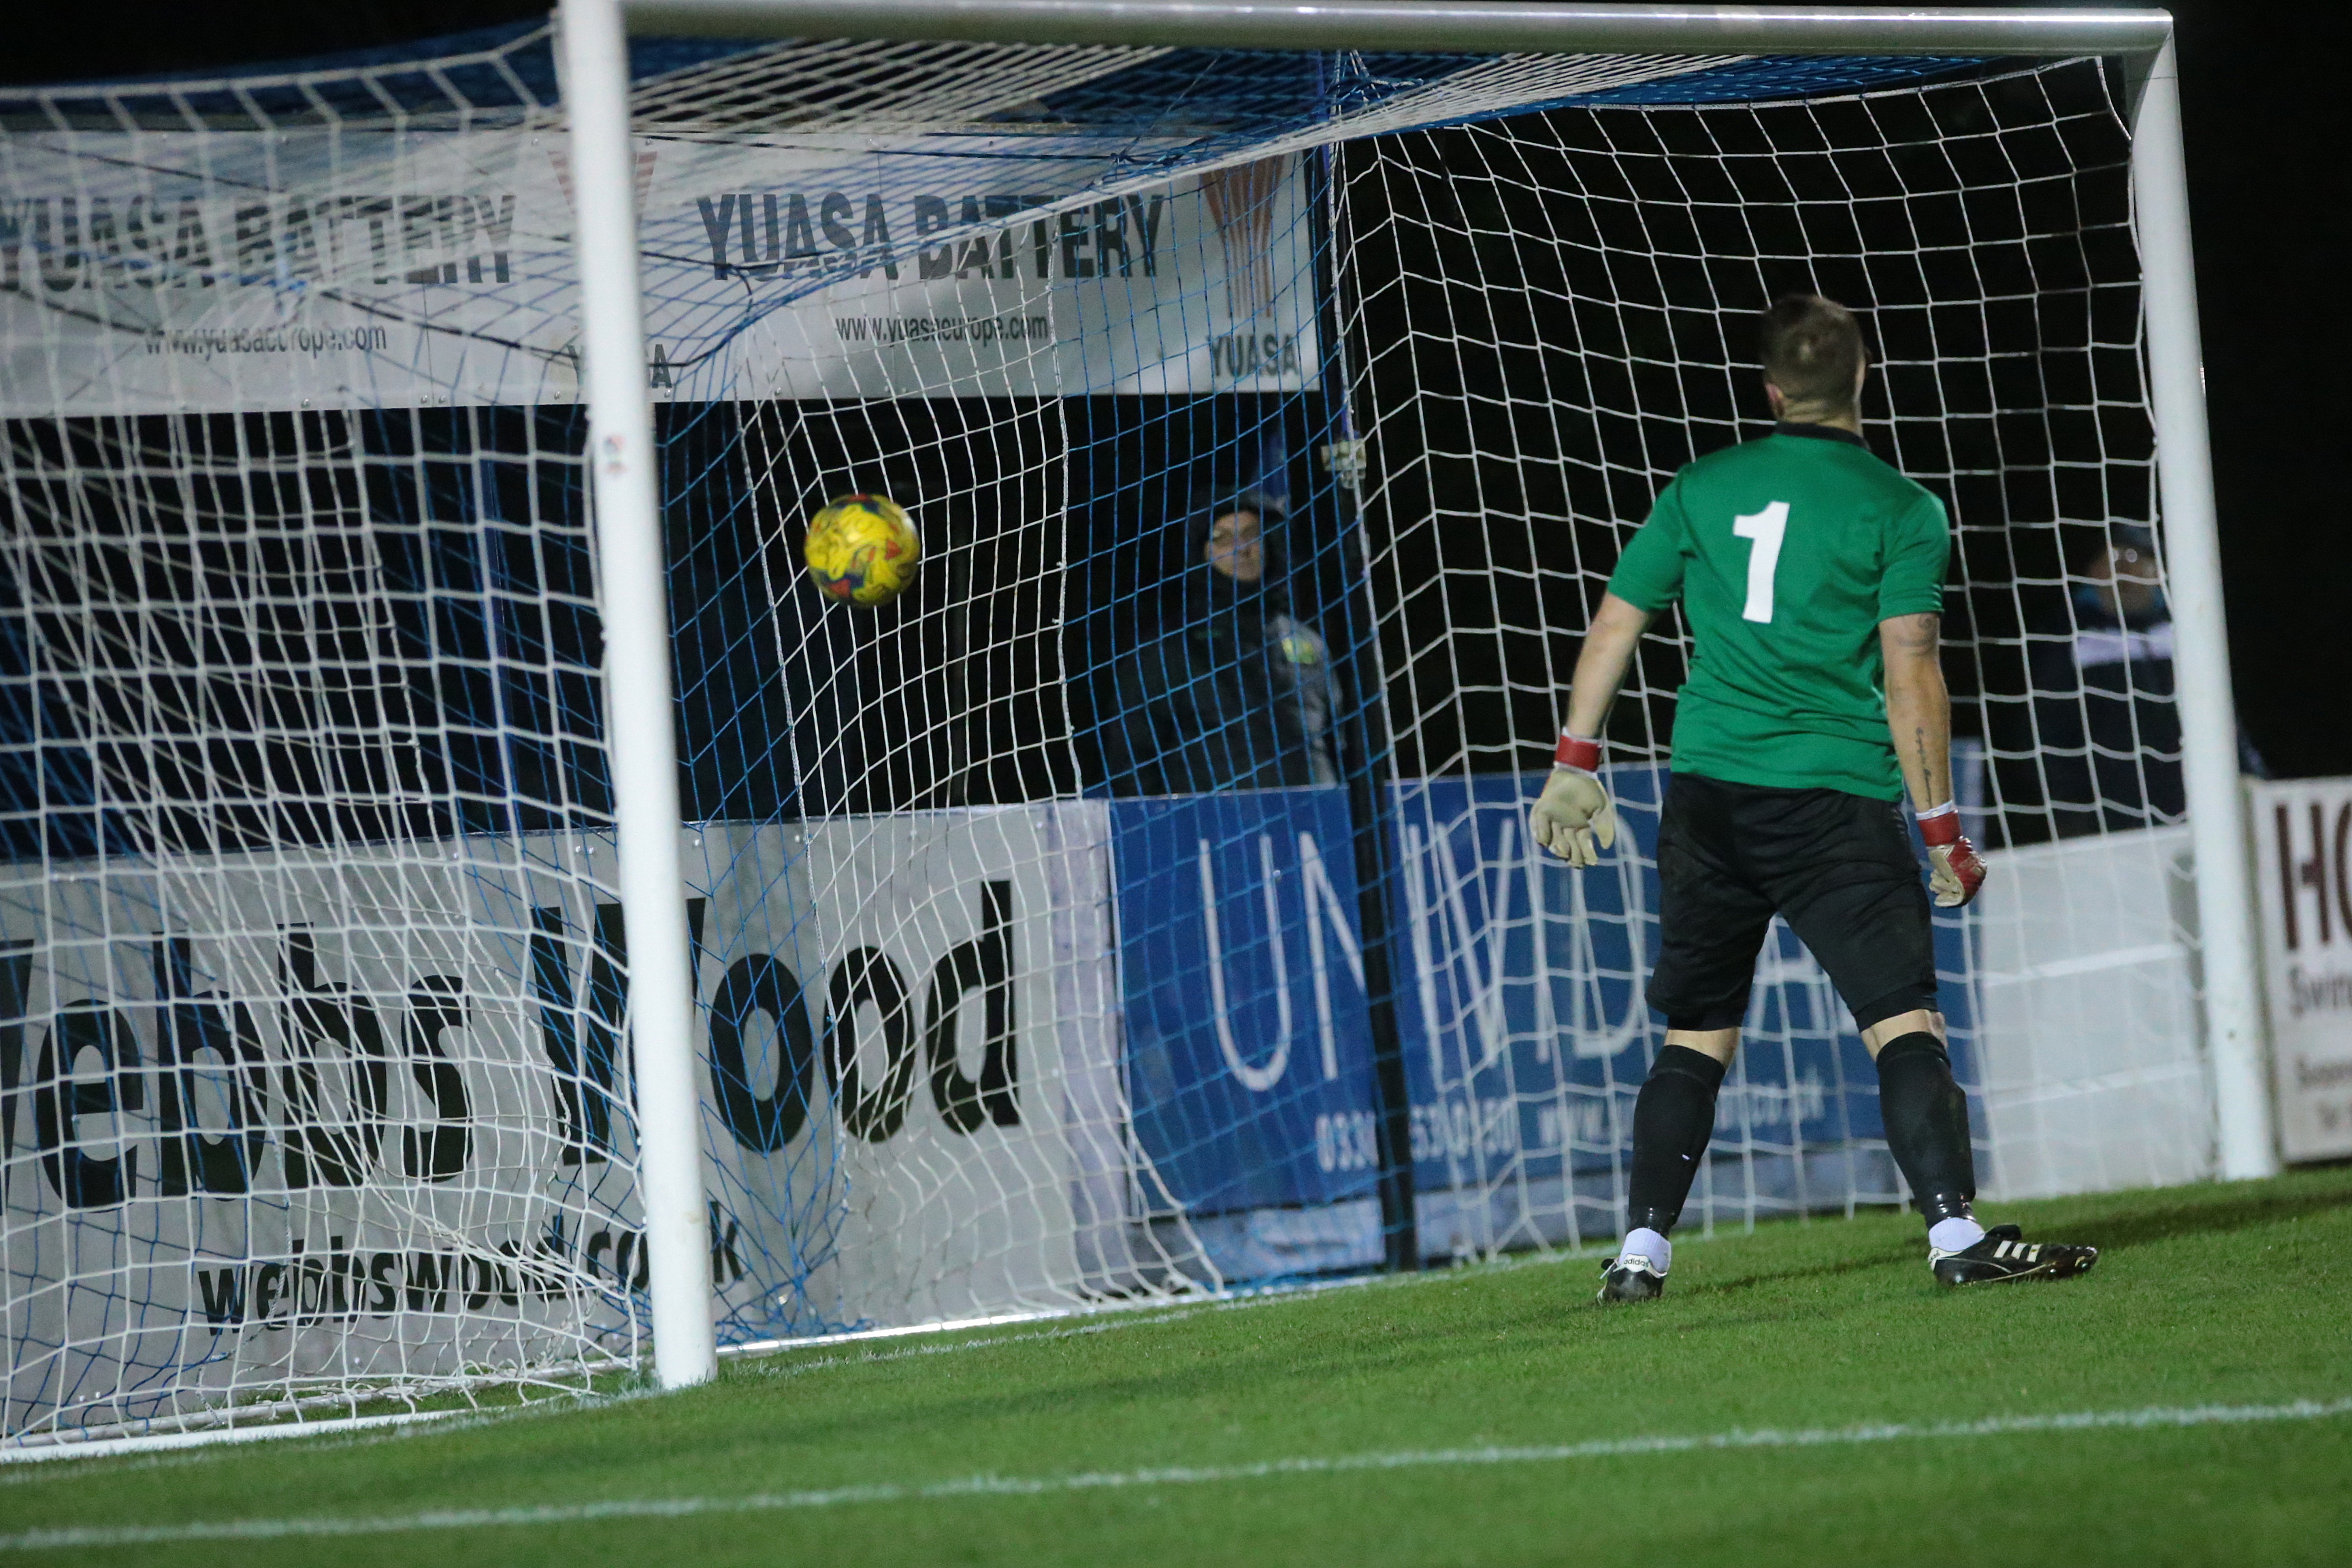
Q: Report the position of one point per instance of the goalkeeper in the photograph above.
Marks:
(1811, 577)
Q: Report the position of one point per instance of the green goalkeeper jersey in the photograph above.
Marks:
(1786, 553)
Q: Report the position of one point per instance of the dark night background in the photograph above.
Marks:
(2267, 128)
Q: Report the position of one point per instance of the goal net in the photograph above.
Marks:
(1139, 905)
(1558, 311)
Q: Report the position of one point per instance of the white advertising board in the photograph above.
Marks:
(288, 1121)
(2089, 1043)
(2303, 837)
(155, 272)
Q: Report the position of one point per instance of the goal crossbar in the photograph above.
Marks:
(1436, 26)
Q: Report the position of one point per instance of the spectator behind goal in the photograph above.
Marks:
(1228, 689)
(2104, 716)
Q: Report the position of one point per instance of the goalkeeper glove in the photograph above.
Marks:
(1955, 869)
(1573, 817)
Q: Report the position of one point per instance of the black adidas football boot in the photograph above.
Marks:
(1630, 1279)
(2004, 1254)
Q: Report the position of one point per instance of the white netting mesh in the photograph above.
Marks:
(1092, 923)
(1557, 313)
(312, 981)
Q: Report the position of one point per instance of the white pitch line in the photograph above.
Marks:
(151, 1442)
(780, 1367)
(1181, 1475)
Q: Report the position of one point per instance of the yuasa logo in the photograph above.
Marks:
(57, 244)
(1245, 356)
(755, 234)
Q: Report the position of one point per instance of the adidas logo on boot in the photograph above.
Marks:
(2004, 1254)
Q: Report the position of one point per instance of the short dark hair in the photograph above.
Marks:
(1225, 501)
(1812, 347)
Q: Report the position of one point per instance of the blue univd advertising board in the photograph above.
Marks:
(1518, 998)
(1248, 1039)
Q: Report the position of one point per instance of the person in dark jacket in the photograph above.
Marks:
(1230, 691)
(2108, 728)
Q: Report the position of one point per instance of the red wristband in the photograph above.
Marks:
(1575, 752)
(1940, 826)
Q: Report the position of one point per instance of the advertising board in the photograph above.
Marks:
(2303, 840)
(318, 268)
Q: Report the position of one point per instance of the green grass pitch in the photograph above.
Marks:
(1803, 1396)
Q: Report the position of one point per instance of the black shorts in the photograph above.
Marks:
(1838, 868)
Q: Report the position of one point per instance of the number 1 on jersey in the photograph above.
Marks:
(1764, 530)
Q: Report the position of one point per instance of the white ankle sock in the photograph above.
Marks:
(1954, 1234)
(1643, 1242)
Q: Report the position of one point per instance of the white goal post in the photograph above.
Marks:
(596, 92)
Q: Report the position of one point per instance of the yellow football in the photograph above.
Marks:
(863, 548)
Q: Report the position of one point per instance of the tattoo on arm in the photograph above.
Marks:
(1914, 693)
(1915, 636)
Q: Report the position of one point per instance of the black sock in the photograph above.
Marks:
(1927, 1119)
(1672, 1119)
